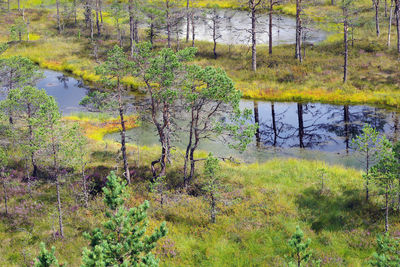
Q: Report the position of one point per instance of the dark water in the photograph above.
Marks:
(68, 91)
(233, 27)
(303, 130)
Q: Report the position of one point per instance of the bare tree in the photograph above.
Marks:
(271, 5)
(376, 6)
(214, 19)
(390, 22)
(254, 6)
(397, 12)
(299, 10)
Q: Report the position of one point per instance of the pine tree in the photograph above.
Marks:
(46, 258)
(122, 240)
(387, 252)
(300, 252)
(367, 144)
(212, 185)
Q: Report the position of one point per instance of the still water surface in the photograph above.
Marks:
(233, 27)
(303, 130)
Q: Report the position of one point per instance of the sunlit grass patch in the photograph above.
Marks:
(97, 126)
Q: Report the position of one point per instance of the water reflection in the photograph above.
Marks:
(234, 27)
(318, 126)
(304, 130)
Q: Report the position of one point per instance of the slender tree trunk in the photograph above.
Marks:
(58, 16)
(301, 124)
(215, 38)
(131, 28)
(28, 23)
(33, 161)
(60, 219)
(257, 121)
(19, 5)
(346, 46)
(390, 23)
(213, 206)
(187, 154)
(298, 31)
(253, 40)
(271, 10)
(187, 20)
(97, 19)
(119, 34)
(397, 11)
(5, 196)
(74, 5)
(274, 127)
(386, 9)
(367, 178)
(386, 210)
(376, 4)
(168, 23)
(136, 31)
(193, 31)
(123, 133)
(151, 34)
(85, 189)
(58, 191)
(8, 5)
(101, 12)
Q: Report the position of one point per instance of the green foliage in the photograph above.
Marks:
(17, 71)
(18, 29)
(122, 241)
(97, 101)
(367, 141)
(46, 258)
(115, 67)
(384, 173)
(212, 184)
(387, 252)
(3, 48)
(300, 252)
(3, 158)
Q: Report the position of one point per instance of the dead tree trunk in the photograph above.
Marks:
(187, 20)
(390, 23)
(168, 22)
(271, 10)
(376, 5)
(193, 30)
(346, 46)
(131, 27)
(58, 16)
(397, 12)
(298, 31)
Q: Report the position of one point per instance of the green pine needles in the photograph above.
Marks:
(46, 258)
(122, 240)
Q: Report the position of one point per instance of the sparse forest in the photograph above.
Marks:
(199, 133)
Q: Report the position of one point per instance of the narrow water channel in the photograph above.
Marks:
(302, 130)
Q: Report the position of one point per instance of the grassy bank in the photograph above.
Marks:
(258, 209)
(373, 68)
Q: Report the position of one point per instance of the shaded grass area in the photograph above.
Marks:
(258, 209)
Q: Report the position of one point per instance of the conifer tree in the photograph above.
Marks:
(366, 144)
(387, 252)
(122, 241)
(113, 70)
(46, 258)
(300, 252)
(384, 174)
(212, 185)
